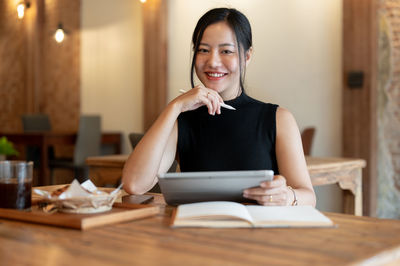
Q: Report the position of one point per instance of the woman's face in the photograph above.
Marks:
(217, 60)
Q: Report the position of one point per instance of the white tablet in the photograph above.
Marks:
(188, 187)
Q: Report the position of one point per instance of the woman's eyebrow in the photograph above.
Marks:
(204, 44)
(222, 44)
(227, 44)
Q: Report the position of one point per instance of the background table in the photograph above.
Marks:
(347, 173)
(356, 240)
(43, 140)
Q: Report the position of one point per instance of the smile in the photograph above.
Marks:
(215, 75)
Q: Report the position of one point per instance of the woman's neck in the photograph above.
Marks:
(230, 94)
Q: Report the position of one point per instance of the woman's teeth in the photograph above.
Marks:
(215, 75)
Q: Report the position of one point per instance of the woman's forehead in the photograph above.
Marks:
(219, 33)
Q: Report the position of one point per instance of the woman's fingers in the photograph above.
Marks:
(208, 103)
(199, 96)
(264, 191)
(272, 200)
(269, 193)
(215, 102)
(212, 98)
(279, 198)
(278, 181)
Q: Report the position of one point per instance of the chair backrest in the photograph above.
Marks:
(134, 138)
(307, 137)
(88, 140)
(35, 122)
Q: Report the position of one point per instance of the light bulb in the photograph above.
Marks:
(21, 10)
(143, 1)
(59, 35)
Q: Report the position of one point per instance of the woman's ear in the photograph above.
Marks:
(248, 55)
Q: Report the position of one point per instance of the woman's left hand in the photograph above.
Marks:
(270, 193)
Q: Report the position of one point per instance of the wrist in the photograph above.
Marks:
(175, 106)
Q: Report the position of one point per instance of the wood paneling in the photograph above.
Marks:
(359, 104)
(36, 73)
(13, 53)
(60, 66)
(155, 59)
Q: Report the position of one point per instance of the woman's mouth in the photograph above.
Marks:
(215, 75)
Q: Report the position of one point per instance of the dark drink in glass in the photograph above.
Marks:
(15, 195)
(15, 184)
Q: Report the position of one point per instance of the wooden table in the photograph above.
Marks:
(356, 241)
(106, 170)
(45, 139)
(347, 173)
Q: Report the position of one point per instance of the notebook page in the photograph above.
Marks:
(288, 214)
(213, 209)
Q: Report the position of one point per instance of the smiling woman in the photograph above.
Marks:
(255, 136)
(216, 45)
(216, 61)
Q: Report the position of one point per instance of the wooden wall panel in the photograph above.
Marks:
(13, 53)
(36, 73)
(359, 104)
(155, 59)
(60, 88)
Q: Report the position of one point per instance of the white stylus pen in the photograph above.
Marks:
(222, 104)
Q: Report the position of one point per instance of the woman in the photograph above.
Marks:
(203, 137)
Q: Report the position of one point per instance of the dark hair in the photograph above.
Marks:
(238, 23)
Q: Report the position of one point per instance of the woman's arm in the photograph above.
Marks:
(148, 158)
(290, 156)
(156, 151)
(292, 168)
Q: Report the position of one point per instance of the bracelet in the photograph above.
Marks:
(294, 203)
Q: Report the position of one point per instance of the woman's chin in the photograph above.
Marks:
(215, 88)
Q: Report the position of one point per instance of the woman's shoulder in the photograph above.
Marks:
(285, 120)
(262, 104)
(283, 113)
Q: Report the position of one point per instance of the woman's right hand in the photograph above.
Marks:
(199, 96)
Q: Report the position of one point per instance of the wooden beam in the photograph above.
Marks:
(359, 128)
(155, 60)
(34, 31)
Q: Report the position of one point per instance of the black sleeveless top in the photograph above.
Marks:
(243, 139)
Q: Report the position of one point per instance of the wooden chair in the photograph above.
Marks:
(307, 136)
(36, 123)
(134, 138)
(87, 144)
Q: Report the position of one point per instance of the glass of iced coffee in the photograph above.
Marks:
(16, 184)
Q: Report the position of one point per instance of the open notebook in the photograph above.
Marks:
(225, 214)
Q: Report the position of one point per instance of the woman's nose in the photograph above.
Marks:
(214, 59)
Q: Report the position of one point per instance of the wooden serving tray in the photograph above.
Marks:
(121, 212)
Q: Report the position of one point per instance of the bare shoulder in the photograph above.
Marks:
(286, 126)
(284, 117)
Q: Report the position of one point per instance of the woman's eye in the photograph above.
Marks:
(227, 52)
(202, 50)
